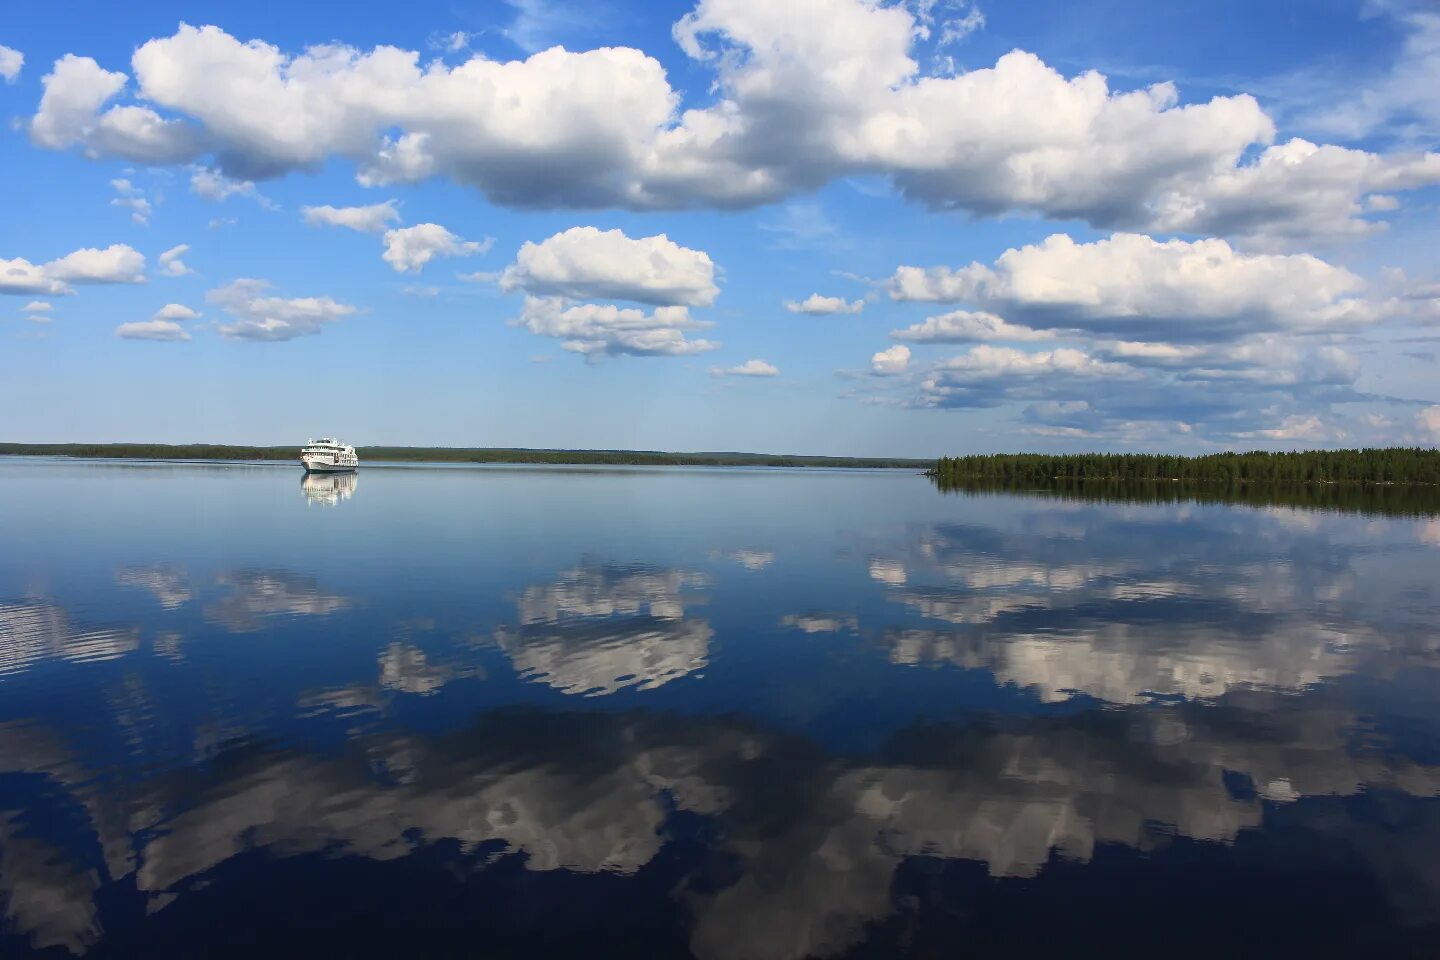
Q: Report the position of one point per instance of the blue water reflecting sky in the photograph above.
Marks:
(734, 713)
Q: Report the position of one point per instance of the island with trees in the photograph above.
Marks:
(1389, 465)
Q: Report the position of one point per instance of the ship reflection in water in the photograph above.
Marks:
(329, 489)
(559, 713)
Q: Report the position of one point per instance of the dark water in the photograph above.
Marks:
(717, 713)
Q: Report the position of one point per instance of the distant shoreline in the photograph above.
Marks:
(518, 455)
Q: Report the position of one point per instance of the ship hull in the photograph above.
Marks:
(320, 466)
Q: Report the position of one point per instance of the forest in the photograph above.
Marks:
(1372, 465)
(162, 451)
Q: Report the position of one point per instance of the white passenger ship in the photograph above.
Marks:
(328, 455)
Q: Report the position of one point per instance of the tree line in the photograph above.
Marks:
(1391, 465)
(201, 451)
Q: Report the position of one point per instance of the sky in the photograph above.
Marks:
(825, 226)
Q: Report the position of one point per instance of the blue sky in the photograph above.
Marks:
(828, 226)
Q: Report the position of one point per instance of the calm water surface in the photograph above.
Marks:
(522, 712)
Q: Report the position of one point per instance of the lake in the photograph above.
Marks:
(720, 713)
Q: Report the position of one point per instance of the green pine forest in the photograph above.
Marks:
(1372, 465)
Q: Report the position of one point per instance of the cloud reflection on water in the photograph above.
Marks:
(818, 838)
(1157, 603)
(600, 628)
(255, 595)
(35, 630)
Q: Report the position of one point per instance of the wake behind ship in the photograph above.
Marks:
(328, 455)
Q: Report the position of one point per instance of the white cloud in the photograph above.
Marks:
(986, 362)
(370, 219)
(1296, 427)
(452, 42)
(750, 368)
(164, 326)
(817, 306)
(117, 263)
(132, 198)
(597, 330)
(161, 330)
(888, 363)
(1428, 420)
(586, 263)
(69, 115)
(1132, 285)
(1402, 96)
(22, 276)
(410, 248)
(965, 326)
(38, 306)
(176, 311)
(1293, 193)
(11, 62)
(170, 263)
(261, 317)
(805, 93)
(214, 185)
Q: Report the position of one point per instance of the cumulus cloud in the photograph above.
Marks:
(164, 326)
(888, 363)
(817, 306)
(22, 276)
(259, 316)
(1134, 286)
(805, 93)
(170, 263)
(586, 263)
(38, 306)
(1271, 387)
(369, 219)
(597, 330)
(410, 248)
(176, 311)
(69, 116)
(117, 263)
(11, 62)
(750, 368)
(965, 326)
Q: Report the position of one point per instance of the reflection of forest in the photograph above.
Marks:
(815, 840)
(1385, 499)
